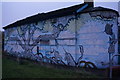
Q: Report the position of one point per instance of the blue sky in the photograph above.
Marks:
(13, 11)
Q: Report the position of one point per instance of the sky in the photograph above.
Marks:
(14, 11)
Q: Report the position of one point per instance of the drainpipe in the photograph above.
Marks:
(76, 36)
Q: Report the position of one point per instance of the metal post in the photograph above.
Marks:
(110, 65)
(111, 59)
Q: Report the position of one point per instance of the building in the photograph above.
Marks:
(80, 35)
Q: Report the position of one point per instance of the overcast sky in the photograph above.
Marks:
(14, 11)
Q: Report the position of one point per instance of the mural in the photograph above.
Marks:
(55, 40)
(112, 38)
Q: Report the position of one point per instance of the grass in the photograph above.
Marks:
(11, 69)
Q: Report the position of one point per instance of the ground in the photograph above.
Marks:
(12, 69)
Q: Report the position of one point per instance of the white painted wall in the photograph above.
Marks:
(91, 36)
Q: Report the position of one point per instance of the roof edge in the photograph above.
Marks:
(58, 13)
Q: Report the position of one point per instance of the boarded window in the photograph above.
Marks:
(45, 42)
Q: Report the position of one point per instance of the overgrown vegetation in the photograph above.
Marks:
(11, 69)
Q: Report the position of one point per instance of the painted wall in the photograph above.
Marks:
(84, 40)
